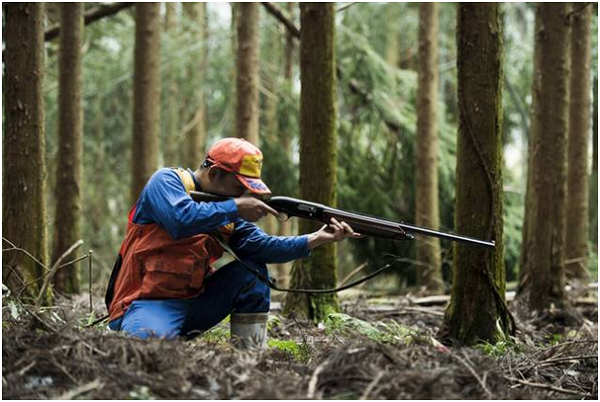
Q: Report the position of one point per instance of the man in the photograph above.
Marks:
(163, 285)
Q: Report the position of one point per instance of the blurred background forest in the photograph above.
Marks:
(377, 50)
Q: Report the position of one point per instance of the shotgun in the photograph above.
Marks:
(361, 223)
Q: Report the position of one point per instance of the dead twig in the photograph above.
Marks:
(25, 285)
(474, 373)
(314, 379)
(372, 386)
(554, 361)
(53, 271)
(354, 272)
(90, 253)
(550, 387)
(15, 248)
(85, 388)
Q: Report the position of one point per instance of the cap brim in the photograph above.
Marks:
(256, 186)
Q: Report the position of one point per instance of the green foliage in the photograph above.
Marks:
(142, 393)
(377, 144)
(273, 321)
(218, 334)
(382, 332)
(299, 352)
(504, 344)
(593, 263)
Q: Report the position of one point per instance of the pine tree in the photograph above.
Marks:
(542, 282)
(426, 180)
(477, 305)
(171, 134)
(68, 190)
(24, 172)
(146, 96)
(318, 154)
(576, 244)
(195, 138)
(247, 100)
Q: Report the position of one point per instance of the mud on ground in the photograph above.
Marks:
(376, 350)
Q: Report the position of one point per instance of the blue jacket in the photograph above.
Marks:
(164, 201)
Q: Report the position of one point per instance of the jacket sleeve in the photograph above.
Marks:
(249, 241)
(165, 201)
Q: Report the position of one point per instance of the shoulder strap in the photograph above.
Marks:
(186, 179)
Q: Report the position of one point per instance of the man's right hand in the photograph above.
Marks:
(252, 209)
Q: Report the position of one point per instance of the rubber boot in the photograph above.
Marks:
(249, 330)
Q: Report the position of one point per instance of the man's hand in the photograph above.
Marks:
(252, 209)
(334, 232)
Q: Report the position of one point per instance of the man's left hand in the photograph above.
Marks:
(334, 232)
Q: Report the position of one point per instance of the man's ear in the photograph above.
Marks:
(213, 173)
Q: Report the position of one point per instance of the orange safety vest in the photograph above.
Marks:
(151, 265)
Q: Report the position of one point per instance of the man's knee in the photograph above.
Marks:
(255, 296)
(149, 330)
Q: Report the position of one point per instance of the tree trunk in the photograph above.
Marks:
(24, 172)
(68, 190)
(146, 96)
(171, 134)
(477, 303)
(195, 138)
(576, 244)
(535, 92)
(289, 46)
(247, 102)
(392, 45)
(543, 282)
(426, 180)
(318, 154)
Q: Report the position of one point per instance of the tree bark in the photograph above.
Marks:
(195, 138)
(318, 154)
(426, 177)
(247, 100)
(576, 243)
(146, 96)
(24, 172)
(68, 190)
(477, 308)
(544, 245)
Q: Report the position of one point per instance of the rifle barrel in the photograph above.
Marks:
(419, 230)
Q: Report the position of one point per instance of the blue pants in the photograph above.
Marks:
(231, 288)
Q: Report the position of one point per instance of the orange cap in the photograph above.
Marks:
(240, 157)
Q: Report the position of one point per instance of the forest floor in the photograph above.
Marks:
(379, 348)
